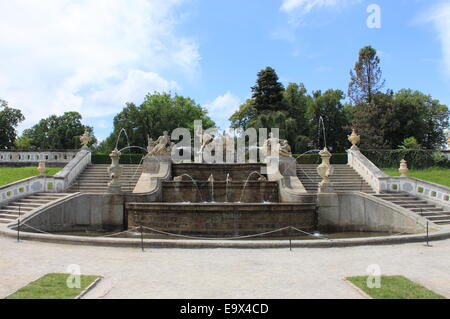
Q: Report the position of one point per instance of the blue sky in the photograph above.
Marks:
(93, 56)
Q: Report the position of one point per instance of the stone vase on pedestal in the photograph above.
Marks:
(325, 170)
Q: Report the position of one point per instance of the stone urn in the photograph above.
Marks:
(354, 139)
(85, 139)
(325, 170)
(41, 168)
(115, 171)
(403, 170)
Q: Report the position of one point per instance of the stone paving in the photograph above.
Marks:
(224, 273)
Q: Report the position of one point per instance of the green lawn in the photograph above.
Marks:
(12, 174)
(52, 286)
(437, 175)
(394, 287)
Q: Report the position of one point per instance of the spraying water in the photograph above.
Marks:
(246, 182)
(211, 182)
(195, 183)
(321, 123)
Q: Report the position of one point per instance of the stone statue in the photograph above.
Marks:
(162, 146)
(285, 149)
(270, 145)
(85, 139)
(206, 141)
(150, 144)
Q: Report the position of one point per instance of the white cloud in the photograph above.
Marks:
(89, 56)
(223, 107)
(305, 6)
(439, 15)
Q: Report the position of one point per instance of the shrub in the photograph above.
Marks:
(417, 159)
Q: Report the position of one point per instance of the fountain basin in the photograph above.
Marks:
(222, 219)
(202, 171)
(187, 191)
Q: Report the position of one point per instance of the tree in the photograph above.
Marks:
(9, 120)
(58, 132)
(159, 112)
(329, 107)
(243, 115)
(268, 92)
(366, 78)
(420, 116)
(376, 121)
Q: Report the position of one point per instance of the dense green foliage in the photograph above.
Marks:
(268, 91)
(416, 159)
(409, 143)
(383, 119)
(9, 119)
(12, 174)
(159, 112)
(297, 116)
(56, 132)
(394, 287)
(52, 286)
(438, 175)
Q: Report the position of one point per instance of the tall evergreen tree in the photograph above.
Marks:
(268, 91)
(366, 78)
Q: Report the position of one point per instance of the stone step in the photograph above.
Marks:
(442, 222)
(438, 217)
(31, 203)
(417, 206)
(59, 195)
(4, 221)
(8, 212)
(7, 216)
(17, 208)
(34, 201)
(409, 202)
(418, 210)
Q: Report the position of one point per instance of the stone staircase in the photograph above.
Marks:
(420, 206)
(344, 178)
(95, 178)
(27, 205)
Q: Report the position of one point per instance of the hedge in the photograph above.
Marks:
(416, 159)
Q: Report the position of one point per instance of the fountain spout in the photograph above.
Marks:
(227, 181)
(211, 182)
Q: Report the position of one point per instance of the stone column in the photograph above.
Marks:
(327, 198)
(115, 171)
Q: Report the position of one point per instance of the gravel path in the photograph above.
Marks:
(224, 273)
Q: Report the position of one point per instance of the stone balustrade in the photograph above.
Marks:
(436, 193)
(366, 169)
(23, 156)
(381, 182)
(37, 184)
